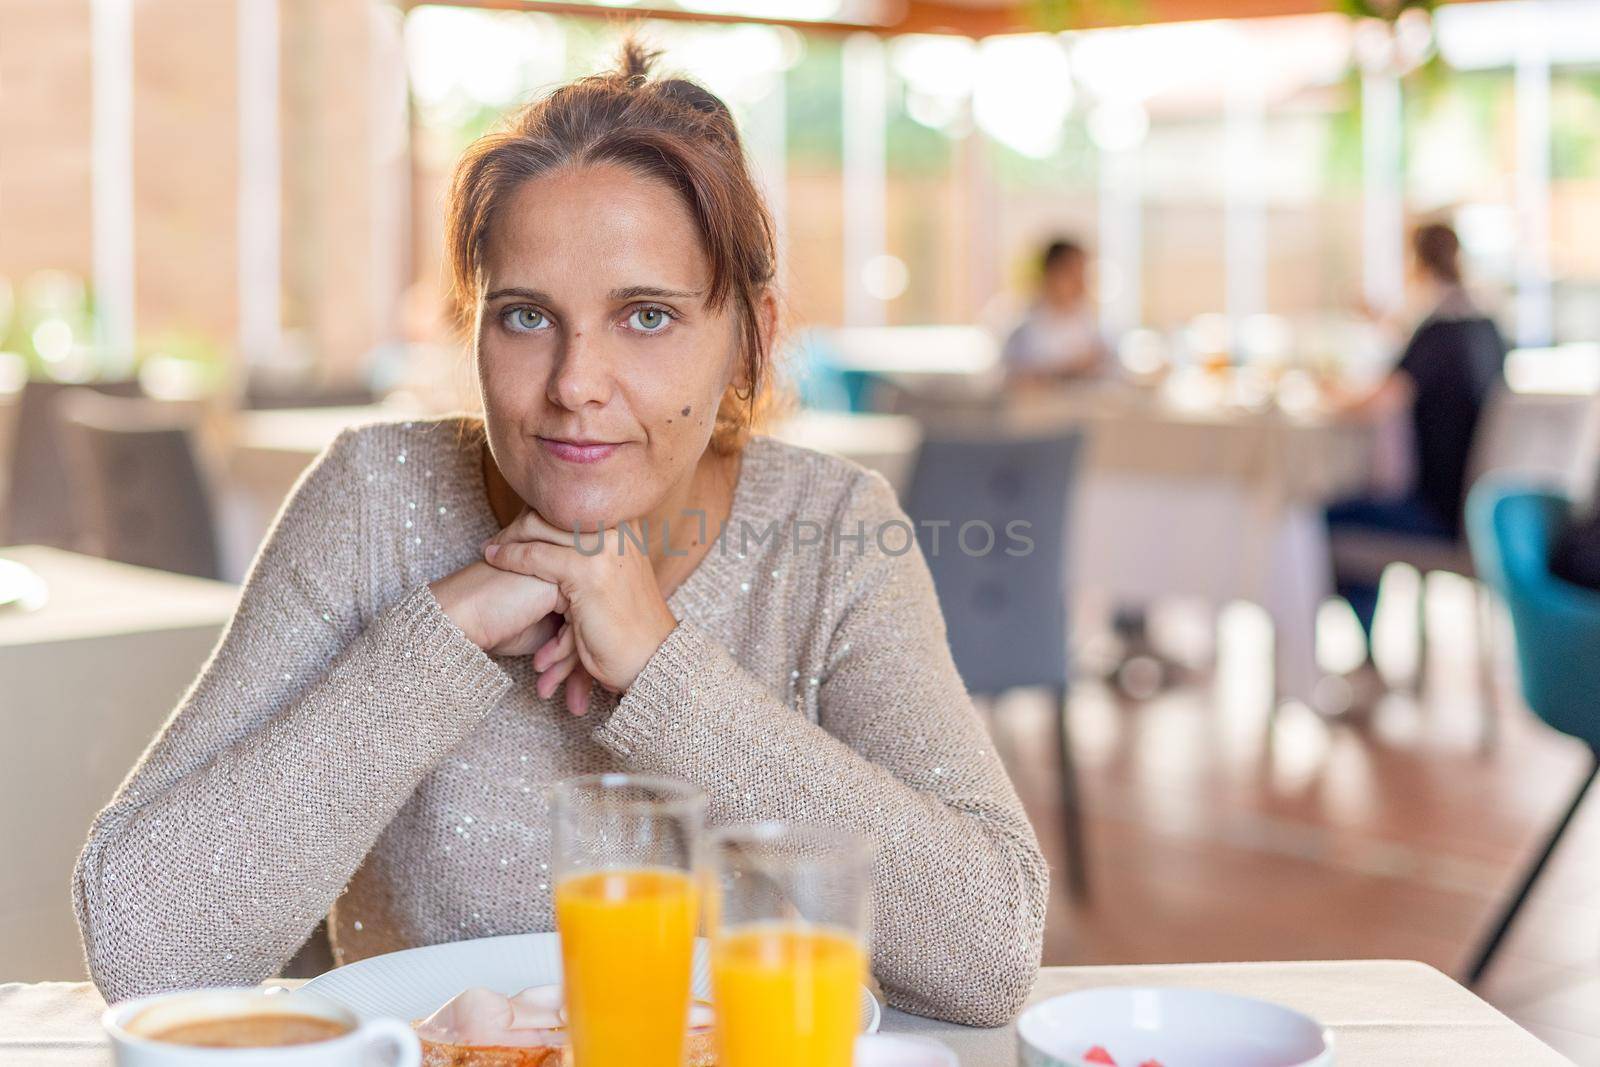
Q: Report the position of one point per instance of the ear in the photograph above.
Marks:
(767, 317)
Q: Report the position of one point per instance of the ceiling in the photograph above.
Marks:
(980, 18)
(972, 18)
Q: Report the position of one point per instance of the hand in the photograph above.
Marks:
(510, 614)
(502, 613)
(616, 617)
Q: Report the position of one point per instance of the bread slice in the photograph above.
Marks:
(701, 1051)
(538, 1008)
(441, 1054)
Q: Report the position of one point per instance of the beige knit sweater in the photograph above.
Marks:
(348, 752)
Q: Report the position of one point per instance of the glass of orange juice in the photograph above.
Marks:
(624, 850)
(788, 910)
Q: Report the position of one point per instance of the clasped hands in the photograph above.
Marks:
(586, 606)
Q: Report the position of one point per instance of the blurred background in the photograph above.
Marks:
(220, 244)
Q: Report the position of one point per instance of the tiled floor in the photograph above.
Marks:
(1218, 835)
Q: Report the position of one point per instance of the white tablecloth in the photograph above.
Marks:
(85, 681)
(1211, 503)
(1382, 1013)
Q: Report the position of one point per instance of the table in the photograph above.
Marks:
(264, 452)
(88, 679)
(268, 450)
(1389, 1013)
(883, 443)
(1208, 501)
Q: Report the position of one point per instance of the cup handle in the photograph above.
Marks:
(408, 1050)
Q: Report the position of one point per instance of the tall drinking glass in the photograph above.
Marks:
(789, 907)
(625, 900)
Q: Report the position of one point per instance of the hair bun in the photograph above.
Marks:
(635, 58)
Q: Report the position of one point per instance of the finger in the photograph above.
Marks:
(558, 647)
(531, 526)
(534, 637)
(533, 558)
(550, 680)
(579, 686)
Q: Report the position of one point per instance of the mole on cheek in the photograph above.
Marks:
(685, 411)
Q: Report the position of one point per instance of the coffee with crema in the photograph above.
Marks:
(256, 1030)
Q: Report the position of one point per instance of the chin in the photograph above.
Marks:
(573, 506)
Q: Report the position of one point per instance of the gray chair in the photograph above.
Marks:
(38, 510)
(140, 493)
(1006, 613)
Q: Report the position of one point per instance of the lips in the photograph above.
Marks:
(575, 450)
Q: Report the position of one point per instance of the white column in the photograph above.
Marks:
(1383, 204)
(865, 207)
(767, 137)
(388, 170)
(1244, 209)
(111, 149)
(981, 241)
(1121, 240)
(260, 193)
(1534, 303)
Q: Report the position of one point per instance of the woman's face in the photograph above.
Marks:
(600, 364)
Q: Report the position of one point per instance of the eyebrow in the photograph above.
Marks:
(632, 292)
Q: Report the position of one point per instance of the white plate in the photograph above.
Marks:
(1177, 1027)
(413, 984)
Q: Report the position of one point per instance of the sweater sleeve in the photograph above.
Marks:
(899, 753)
(306, 731)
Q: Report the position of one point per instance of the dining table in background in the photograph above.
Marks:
(1191, 497)
(1177, 497)
(260, 455)
(1381, 1012)
(264, 452)
(88, 677)
(1205, 501)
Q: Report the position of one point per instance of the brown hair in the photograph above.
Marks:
(1438, 249)
(668, 129)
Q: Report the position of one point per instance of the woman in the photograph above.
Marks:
(423, 645)
(1059, 338)
(1450, 365)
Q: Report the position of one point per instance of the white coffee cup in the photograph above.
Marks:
(130, 1024)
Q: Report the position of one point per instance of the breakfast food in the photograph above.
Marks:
(1100, 1055)
(482, 1028)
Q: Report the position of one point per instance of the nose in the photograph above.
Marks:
(582, 373)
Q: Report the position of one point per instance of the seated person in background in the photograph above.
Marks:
(1449, 366)
(1059, 337)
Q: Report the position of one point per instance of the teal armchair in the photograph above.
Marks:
(1512, 529)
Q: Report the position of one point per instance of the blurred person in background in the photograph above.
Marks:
(1060, 340)
(1059, 337)
(1451, 363)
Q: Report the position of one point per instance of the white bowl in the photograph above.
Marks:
(1174, 1027)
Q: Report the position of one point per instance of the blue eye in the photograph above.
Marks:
(649, 320)
(525, 320)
